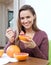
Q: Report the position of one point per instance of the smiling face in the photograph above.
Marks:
(26, 19)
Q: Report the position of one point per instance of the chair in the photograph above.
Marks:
(50, 52)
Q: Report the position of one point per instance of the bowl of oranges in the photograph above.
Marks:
(21, 56)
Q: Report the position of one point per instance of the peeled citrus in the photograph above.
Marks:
(12, 49)
(23, 37)
(21, 56)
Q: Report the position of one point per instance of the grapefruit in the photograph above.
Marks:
(12, 49)
(21, 56)
(1, 52)
(24, 38)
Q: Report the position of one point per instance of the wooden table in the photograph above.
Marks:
(30, 61)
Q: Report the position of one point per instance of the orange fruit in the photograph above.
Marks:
(12, 49)
(1, 52)
(23, 37)
(21, 56)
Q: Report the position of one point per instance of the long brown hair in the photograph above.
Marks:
(20, 27)
(27, 7)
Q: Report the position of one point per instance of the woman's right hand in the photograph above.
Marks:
(10, 35)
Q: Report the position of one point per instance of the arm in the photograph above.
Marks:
(42, 50)
(10, 34)
(7, 45)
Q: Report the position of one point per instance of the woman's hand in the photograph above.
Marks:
(29, 43)
(10, 35)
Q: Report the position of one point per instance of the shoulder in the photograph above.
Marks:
(40, 37)
(42, 33)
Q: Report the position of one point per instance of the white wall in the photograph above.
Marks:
(17, 5)
(15, 13)
(43, 11)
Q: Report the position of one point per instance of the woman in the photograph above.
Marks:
(37, 46)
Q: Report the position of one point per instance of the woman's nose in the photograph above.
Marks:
(25, 20)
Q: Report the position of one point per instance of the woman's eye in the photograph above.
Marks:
(22, 18)
(28, 17)
(25, 17)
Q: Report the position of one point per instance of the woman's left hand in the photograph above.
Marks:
(29, 43)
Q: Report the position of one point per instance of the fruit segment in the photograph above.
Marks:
(24, 38)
